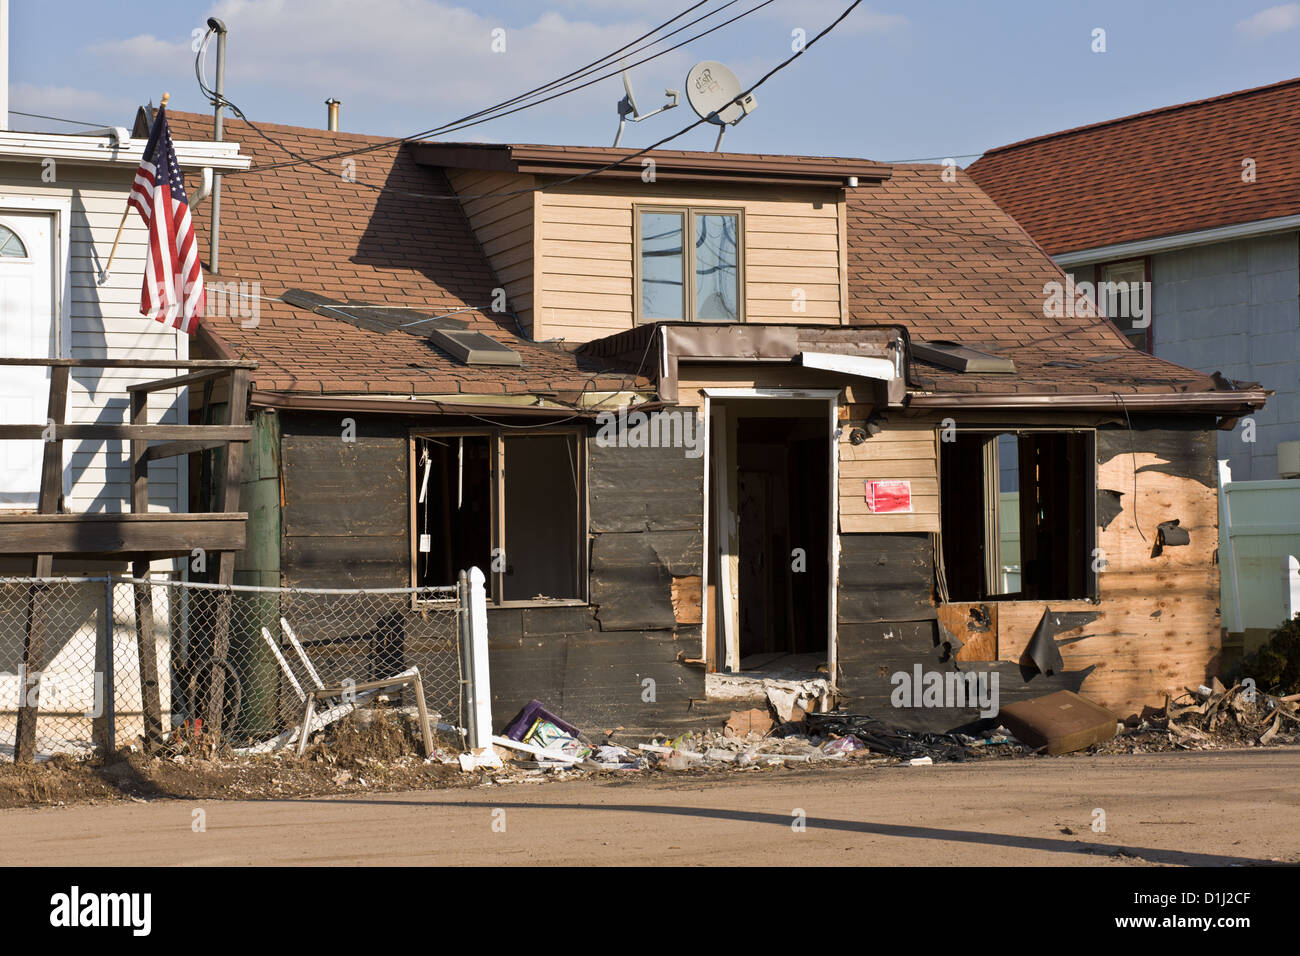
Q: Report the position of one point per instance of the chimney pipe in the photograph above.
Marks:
(333, 124)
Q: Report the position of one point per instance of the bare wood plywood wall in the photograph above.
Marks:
(1159, 628)
(793, 249)
(904, 451)
(504, 227)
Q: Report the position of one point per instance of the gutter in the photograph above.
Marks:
(1182, 240)
(405, 406)
(92, 150)
(1243, 401)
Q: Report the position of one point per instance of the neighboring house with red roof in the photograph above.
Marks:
(1201, 200)
(709, 418)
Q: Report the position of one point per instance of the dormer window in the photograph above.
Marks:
(695, 281)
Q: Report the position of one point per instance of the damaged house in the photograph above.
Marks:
(749, 417)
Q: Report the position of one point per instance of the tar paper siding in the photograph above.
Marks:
(346, 523)
(104, 321)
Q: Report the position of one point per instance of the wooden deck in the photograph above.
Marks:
(159, 534)
(141, 535)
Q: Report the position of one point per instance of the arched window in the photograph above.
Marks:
(10, 245)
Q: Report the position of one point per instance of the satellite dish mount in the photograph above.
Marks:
(717, 96)
(627, 107)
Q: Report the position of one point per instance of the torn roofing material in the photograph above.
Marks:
(1043, 649)
(454, 336)
(962, 358)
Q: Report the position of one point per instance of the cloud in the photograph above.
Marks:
(136, 54)
(1277, 19)
(413, 53)
(68, 102)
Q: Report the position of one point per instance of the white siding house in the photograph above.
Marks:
(61, 201)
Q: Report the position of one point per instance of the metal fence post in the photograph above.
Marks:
(109, 704)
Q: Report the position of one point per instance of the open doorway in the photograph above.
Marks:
(770, 556)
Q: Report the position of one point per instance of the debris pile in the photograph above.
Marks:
(538, 740)
(1213, 718)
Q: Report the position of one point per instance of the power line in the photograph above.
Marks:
(935, 159)
(313, 162)
(59, 119)
(497, 112)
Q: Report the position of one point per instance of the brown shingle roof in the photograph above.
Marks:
(943, 260)
(303, 227)
(937, 257)
(1167, 171)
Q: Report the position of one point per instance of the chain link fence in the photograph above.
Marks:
(178, 647)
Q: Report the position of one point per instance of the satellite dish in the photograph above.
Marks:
(629, 96)
(715, 94)
(627, 107)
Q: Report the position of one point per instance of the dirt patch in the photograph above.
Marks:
(378, 751)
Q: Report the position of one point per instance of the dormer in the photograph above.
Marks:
(585, 249)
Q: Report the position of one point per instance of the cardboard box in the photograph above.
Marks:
(1062, 722)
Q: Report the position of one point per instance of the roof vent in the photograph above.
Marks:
(956, 356)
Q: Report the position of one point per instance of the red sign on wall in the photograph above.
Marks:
(889, 497)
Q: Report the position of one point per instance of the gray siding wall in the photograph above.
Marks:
(1234, 307)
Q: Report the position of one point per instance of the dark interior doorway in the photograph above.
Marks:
(781, 504)
(453, 510)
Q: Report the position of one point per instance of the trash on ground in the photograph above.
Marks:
(753, 721)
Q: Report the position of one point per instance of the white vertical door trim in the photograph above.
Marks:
(704, 522)
(31, 324)
(61, 268)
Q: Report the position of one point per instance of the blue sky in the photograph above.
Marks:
(896, 81)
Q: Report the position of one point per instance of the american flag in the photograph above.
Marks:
(173, 279)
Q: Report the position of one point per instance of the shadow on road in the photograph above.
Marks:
(899, 831)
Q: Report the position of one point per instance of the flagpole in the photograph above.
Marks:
(125, 212)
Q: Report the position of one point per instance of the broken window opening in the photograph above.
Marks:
(510, 505)
(1017, 515)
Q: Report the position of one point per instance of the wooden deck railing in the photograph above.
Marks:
(139, 536)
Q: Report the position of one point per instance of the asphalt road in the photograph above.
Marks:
(1202, 808)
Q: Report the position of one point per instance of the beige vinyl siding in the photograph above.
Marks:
(902, 451)
(793, 241)
(104, 321)
(504, 227)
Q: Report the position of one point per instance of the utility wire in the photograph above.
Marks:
(59, 119)
(934, 159)
(580, 176)
(475, 119)
(581, 71)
